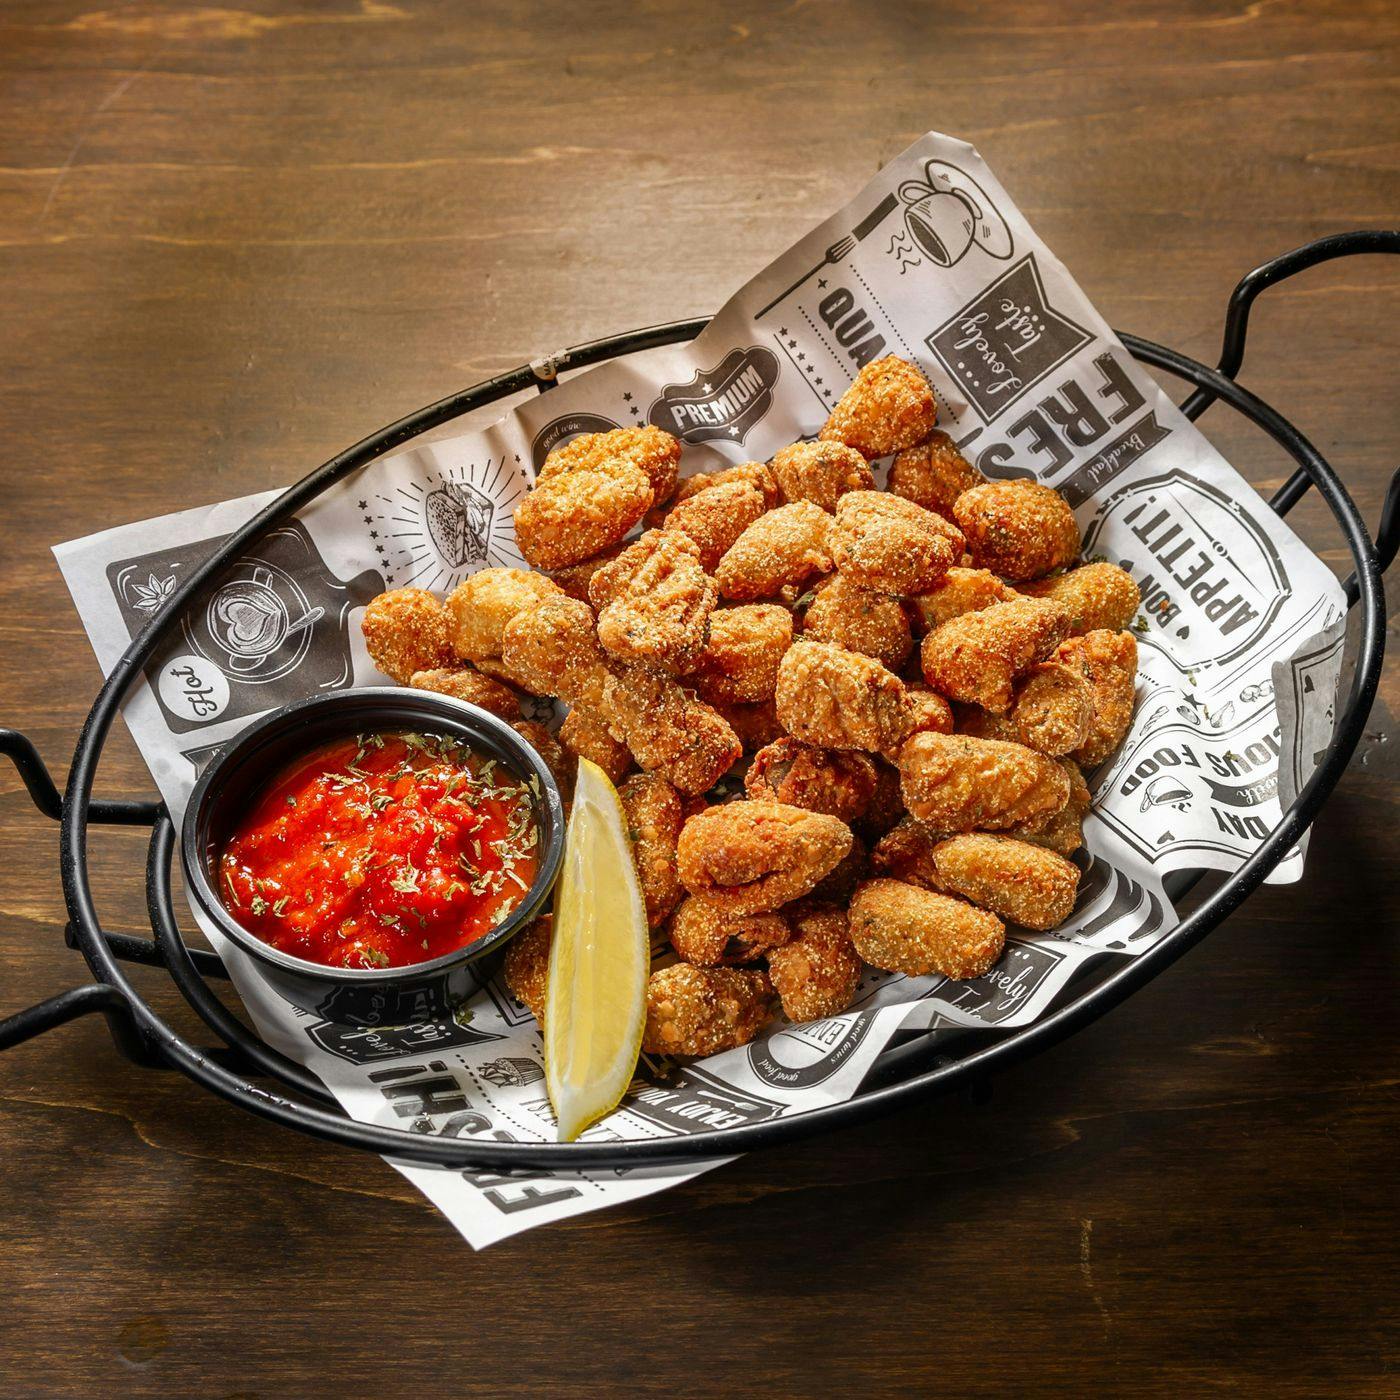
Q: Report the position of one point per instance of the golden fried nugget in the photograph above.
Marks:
(554, 650)
(584, 735)
(1018, 882)
(817, 971)
(975, 658)
(467, 683)
(821, 472)
(750, 857)
(902, 928)
(1018, 529)
(905, 852)
(756, 725)
(756, 474)
(839, 699)
(1095, 597)
(656, 454)
(1053, 710)
(406, 630)
(573, 515)
(575, 579)
(928, 710)
(560, 763)
(714, 519)
(840, 884)
(668, 730)
(860, 619)
(481, 605)
(933, 474)
(891, 545)
(962, 591)
(889, 407)
(781, 549)
(708, 936)
(654, 820)
(1108, 661)
(526, 966)
(654, 602)
(839, 782)
(703, 1010)
(887, 805)
(958, 783)
(739, 665)
(1062, 831)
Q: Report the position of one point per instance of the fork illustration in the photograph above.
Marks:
(840, 249)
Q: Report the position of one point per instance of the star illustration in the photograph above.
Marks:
(368, 521)
(380, 548)
(800, 356)
(826, 393)
(364, 505)
(634, 411)
(374, 534)
(627, 398)
(706, 389)
(819, 381)
(821, 281)
(782, 330)
(517, 459)
(733, 432)
(791, 343)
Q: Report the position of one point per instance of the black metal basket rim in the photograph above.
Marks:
(1210, 384)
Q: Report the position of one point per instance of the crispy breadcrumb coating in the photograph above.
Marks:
(756, 474)
(905, 852)
(756, 724)
(467, 683)
(708, 936)
(1062, 831)
(976, 658)
(1018, 529)
(933, 474)
(889, 407)
(1053, 710)
(821, 472)
(668, 729)
(750, 857)
(839, 699)
(654, 820)
(839, 782)
(780, 550)
(575, 579)
(406, 630)
(482, 604)
(560, 763)
(526, 967)
(1018, 882)
(1098, 596)
(714, 519)
(739, 665)
(817, 971)
(573, 515)
(656, 454)
(958, 783)
(1108, 661)
(654, 602)
(703, 1010)
(902, 928)
(554, 650)
(887, 805)
(891, 545)
(860, 619)
(584, 735)
(928, 710)
(962, 591)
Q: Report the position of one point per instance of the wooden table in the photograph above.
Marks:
(233, 239)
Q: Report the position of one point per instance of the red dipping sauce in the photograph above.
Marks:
(382, 850)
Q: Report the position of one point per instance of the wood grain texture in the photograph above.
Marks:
(235, 237)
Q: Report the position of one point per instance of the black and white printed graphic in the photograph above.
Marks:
(1005, 340)
(446, 523)
(695, 1102)
(272, 629)
(946, 215)
(368, 1044)
(804, 1055)
(998, 995)
(559, 430)
(511, 1072)
(1211, 578)
(723, 402)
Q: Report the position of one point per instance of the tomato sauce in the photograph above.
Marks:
(381, 850)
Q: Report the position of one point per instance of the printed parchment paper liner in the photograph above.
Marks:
(1240, 641)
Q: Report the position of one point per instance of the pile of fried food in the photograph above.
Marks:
(917, 675)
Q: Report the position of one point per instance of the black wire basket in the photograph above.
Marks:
(249, 1073)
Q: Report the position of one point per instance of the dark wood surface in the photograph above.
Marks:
(234, 238)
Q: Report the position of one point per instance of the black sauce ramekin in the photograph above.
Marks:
(363, 997)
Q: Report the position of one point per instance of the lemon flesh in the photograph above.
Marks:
(595, 1007)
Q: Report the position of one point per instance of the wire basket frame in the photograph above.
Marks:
(907, 1074)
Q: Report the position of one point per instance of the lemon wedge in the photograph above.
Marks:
(595, 1007)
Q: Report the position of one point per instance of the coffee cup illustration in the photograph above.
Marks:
(247, 619)
(948, 212)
